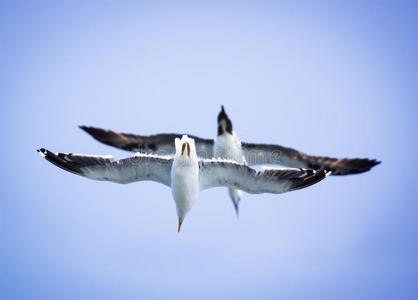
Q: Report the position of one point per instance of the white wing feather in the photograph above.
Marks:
(140, 167)
(215, 173)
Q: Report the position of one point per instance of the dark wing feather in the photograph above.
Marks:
(256, 154)
(344, 166)
(161, 144)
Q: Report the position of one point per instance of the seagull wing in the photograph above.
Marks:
(215, 173)
(256, 154)
(139, 167)
(161, 144)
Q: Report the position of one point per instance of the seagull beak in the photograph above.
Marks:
(186, 146)
(180, 222)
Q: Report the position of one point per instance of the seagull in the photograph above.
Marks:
(227, 145)
(184, 173)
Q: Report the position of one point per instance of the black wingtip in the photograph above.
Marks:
(354, 166)
(41, 150)
(84, 127)
(315, 177)
(374, 163)
(222, 108)
(97, 133)
(60, 161)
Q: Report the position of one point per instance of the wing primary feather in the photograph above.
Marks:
(111, 138)
(345, 166)
(275, 154)
(60, 162)
(162, 144)
(312, 178)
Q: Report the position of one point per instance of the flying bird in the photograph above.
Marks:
(227, 145)
(184, 173)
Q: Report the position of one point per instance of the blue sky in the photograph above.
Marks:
(329, 78)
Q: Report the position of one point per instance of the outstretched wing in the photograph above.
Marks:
(161, 144)
(139, 167)
(257, 154)
(215, 173)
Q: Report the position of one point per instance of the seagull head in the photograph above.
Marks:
(224, 123)
(185, 150)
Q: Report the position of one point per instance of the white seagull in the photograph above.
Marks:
(227, 145)
(184, 173)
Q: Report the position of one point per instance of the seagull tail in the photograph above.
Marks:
(235, 197)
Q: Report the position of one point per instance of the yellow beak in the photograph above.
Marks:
(186, 146)
(180, 222)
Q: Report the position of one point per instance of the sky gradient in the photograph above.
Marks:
(335, 78)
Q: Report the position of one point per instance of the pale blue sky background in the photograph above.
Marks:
(329, 78)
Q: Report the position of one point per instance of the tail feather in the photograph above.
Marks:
(235, 197)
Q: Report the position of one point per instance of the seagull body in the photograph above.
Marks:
(228, 146)
(185, 177)
(185, 174)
